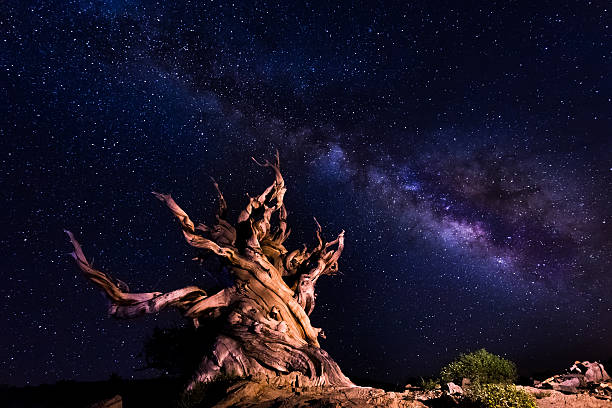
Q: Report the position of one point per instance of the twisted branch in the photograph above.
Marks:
(191, 301)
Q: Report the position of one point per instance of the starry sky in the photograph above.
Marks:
(465, 149)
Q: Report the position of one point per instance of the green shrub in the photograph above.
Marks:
(499, 396)
(480, 367)
(429, 384)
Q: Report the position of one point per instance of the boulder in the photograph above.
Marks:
(596, 373)
(583, 378)
(453, 389)
(570, 386)
(593, 372)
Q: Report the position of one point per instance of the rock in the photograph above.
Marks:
(577, 368)
(584, 378)
(603, 391)
(596, 373)
(453, 389)
(571, 386)
(547, 383)
(593, 372)
(115, 402)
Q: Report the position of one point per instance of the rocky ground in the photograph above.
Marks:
(558, 399)
(295, 390)
(584, 385)
(267, 397)
(250, 394)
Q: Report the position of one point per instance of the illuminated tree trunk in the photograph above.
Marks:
(265, 330)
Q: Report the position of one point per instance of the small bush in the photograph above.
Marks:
(428, 384)
(500, 396)
(480, 367)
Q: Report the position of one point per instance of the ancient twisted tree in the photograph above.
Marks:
(264, 328)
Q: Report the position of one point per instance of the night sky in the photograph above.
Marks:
(465, 150)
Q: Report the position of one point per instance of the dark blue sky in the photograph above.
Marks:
(465, 150)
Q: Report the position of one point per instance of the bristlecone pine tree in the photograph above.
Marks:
(265, 328)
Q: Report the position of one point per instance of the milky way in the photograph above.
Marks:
(466, 152)
(521, 218)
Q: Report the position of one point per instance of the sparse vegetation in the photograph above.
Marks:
(499, 396)
(428, 384)
(206, 394)
(480, 367)
(542, 394)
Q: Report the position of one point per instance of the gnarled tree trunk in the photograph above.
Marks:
(265, 328)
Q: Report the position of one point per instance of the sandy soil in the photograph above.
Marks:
(556, 399)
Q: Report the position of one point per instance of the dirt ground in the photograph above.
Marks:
(556, 399)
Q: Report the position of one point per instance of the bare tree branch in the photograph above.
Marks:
(128, 305)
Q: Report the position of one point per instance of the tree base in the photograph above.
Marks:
(281, 392)
(269, 355)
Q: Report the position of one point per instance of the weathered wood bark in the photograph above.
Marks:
(266, 330)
